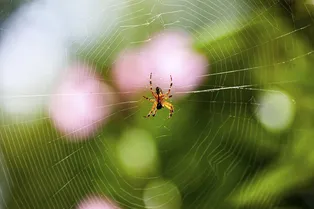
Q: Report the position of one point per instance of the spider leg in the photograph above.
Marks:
(151, 100)
(167, 97)
(170, 107)
(154, 113)
(152, 110)
(169, 87)
(151, 85)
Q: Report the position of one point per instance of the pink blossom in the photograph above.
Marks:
(168, 53)
(81, 103)
(130, 71)
(97, 203)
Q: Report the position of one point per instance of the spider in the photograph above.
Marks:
(159, 99)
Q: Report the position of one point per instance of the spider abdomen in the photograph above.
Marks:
(159, 106)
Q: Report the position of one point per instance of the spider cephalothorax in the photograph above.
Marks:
(159, 99)
(158, 90)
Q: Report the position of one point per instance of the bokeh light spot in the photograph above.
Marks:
(137, 153)
(162, 194)
(276, 111)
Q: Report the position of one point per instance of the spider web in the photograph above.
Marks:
(212, 144)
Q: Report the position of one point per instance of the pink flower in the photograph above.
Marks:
(130, 71)
(97, 203)
(168, 53)
(81, 103)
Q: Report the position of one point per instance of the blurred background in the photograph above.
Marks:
(73, 74)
